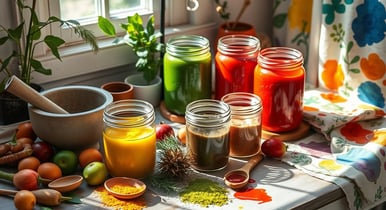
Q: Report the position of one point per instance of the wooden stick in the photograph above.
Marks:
(245, 5)
(25, 92)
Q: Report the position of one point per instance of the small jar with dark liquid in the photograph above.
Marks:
(207, 132)
(245, 130)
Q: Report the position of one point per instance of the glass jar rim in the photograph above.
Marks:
(208, 113)
(242, 103)
(238, 44)
(187, 45)
(280, 57)
(129, 113)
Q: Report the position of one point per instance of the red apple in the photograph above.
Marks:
(273, 148)
(43, 151)
(163, 131)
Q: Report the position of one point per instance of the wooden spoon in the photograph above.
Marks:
(66, 183)
(237, 179)
(18, 88)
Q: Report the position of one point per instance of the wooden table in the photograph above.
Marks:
(289, 188)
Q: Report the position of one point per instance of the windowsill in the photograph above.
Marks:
(80, 60)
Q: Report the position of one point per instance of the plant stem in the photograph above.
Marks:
(6, 175)
(245, 5)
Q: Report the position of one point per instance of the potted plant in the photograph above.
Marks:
(144, 41)
(232, 27)
(26, 36)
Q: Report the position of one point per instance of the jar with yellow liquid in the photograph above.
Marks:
(129, 138)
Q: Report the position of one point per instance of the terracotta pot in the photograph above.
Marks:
(231, 28)
(239, 28)
(119, 90)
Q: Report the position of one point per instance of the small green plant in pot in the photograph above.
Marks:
(23, 39)
(143, 40)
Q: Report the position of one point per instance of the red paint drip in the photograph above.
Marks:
(251, 181)
(254, 194)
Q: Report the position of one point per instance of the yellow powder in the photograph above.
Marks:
(121, 189)
(119, 204)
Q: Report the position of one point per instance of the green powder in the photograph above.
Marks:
(205, 192)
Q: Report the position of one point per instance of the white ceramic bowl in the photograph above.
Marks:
(81, 128)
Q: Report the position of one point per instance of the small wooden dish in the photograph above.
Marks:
(66, 183)
(125, 182)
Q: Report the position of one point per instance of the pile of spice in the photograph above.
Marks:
(115, 203)
(125, 189)
(205, 192)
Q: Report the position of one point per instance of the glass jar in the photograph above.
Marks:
(235, 62)
(279, 81)
(207, 134)
(245, 130)
(187, 72)
(129, 138)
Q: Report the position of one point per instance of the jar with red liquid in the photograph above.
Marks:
(279, 81)
(245, 130)
(235, 61)
(207, 134)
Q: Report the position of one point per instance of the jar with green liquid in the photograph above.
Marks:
(187, 72)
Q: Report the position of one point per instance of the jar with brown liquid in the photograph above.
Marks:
(245, 130)
(207, 134)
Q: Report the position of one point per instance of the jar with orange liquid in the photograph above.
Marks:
(279, 80)
(129, 138)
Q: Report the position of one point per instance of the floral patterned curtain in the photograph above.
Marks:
(344, 47)
(343, 42)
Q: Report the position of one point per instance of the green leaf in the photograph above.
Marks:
(54, 19)
(357, 71)
(35, 32)
(106, 26)
(279, 20)
(150, 25)
(53, 43)
(7, 60)
(37, 66)
(349, 46)
(3, 40)
(355, 59)
(15, 34)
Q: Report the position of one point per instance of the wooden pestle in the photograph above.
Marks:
(18, 88)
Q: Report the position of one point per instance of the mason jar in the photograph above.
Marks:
(279, 81)
(187, 72)
(235, 62)
(129, 138)
(245, 130)
(207, 134)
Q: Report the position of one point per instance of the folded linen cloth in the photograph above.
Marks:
(349, 150)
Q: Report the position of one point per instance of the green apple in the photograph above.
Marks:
(67, 161)
(95, 173)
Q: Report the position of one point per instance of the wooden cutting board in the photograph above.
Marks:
(170, 116)
(300, 132)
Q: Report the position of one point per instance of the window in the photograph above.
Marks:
(86, 12)
(78, 62)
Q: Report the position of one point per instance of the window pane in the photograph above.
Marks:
(123, 4)
(78, 9)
